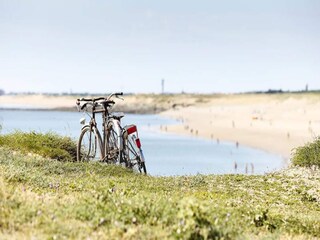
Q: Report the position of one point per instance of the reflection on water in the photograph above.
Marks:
(166, 154)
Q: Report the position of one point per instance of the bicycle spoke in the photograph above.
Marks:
(132, 153)
(112, 146)
(88, 146)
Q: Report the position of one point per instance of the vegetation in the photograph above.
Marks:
(42, 198)
(308, 155)
(48, 145)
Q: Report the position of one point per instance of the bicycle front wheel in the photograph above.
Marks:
(89, 145)
(133, 155)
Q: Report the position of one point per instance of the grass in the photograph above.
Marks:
(42, 198)
(48, 145)
(308, 155)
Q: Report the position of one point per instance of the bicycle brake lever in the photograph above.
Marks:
(117, 96)
(78, 104)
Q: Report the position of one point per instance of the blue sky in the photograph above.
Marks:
(196, 46)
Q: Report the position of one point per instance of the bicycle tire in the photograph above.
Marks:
(112, 142)
(89, 148)
(143, 167)
(132, 155)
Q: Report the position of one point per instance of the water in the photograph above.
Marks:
(166, 154)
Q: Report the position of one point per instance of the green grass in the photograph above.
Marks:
(47, 145)
(41, 198)
(308, 155)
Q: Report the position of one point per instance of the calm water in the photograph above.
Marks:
(166, 154)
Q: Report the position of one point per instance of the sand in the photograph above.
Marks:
(274, 123)
(38, 101)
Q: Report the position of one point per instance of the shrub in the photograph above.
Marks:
(308, 155)
(47, 145)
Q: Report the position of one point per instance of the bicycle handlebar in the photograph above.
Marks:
(93, 101)
(115, 94)
(99, 98)
(90, 99)
(105, 103)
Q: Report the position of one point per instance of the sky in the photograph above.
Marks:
(200, 46)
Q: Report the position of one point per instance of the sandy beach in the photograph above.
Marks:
(37, 101)
(276, 123)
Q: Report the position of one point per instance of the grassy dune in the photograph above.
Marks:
(42, 198)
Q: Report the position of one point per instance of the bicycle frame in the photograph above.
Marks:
(118, 130)
(105, 119)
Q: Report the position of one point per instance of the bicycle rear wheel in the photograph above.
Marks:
(89, 145)
(132, 155)
(112, 144)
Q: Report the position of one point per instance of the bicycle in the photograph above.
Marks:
(117, 145)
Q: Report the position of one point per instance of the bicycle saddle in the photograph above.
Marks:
(117, 115)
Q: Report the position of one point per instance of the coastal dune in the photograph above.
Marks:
(276, 123)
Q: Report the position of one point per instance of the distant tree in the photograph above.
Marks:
(2, 92)
(272, 91)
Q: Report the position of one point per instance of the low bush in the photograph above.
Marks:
(48, 145)
(308, 155)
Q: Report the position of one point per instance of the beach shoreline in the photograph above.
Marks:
(276, 123)
(273, 123)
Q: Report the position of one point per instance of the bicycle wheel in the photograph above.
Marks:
(132, 155)
(89, 145)
(112, 143)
